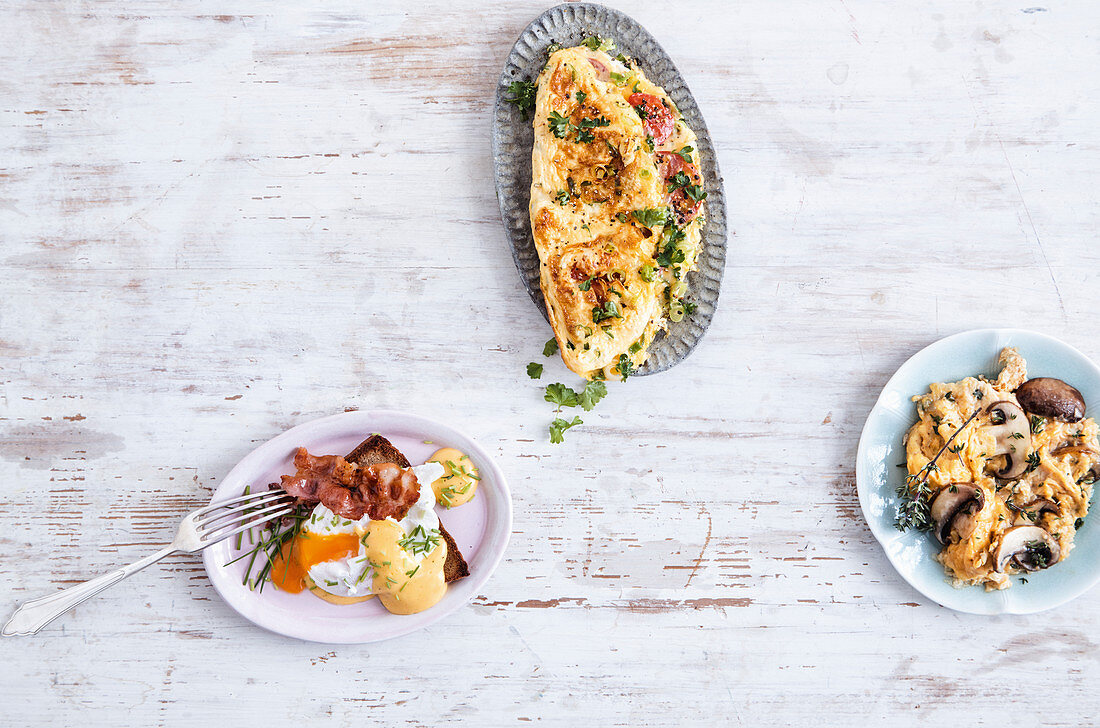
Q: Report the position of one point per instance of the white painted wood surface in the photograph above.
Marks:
(220, 220)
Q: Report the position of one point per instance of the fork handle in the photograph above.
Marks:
(37, 613)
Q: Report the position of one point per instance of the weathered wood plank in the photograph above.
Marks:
(216, 226)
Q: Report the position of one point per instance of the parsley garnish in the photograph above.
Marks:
(625, 366)
(610, 309)
(651, 217)
(685, 153)
(592, 393)
(521, 94)
(562, 197)
(695, 193)
(581, 96)
(559, 125)
(550, 348)
(584, 135)
(561, 395)
(598, 43)
(677, 181)
(534, 370)
(559, 426)
(586, 284)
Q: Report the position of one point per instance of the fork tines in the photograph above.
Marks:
(228, 518)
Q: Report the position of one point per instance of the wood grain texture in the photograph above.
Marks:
(216, 226)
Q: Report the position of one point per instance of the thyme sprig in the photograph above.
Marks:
(915, 509)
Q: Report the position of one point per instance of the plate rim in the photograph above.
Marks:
(864, 495)
(716, 251)
(495, 538)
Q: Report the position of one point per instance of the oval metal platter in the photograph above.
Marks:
(513, 138)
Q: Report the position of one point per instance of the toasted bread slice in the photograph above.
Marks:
(377, 449)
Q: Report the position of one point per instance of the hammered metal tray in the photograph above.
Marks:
(513, 138)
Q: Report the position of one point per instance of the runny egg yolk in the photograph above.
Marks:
(291, 565)
(403, 584)
(460, 478)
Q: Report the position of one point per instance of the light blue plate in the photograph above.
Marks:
(881, 449)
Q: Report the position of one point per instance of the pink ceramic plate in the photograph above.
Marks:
(480, 528)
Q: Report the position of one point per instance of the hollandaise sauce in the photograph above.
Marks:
(460, 478)
(379, 558)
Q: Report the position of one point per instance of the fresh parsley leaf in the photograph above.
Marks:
(668, 249)
(521, 94)
(584, 135)
(625, 366)
(592, 393)
(550, 348)
(695, 192)
(610, 309)
(559, 125)
(534, 370)
(598, 43)
(562, 197)
(558, 428)
(685, 153)
(586, 284)
(561, 395)
(677, 181)
(651, 217)
(581, 96)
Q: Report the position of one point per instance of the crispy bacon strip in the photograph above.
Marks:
(379, 491)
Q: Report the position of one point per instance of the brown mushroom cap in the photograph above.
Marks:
(1029, 548)
(1049, 397)
(953, 501)
(1013, 435)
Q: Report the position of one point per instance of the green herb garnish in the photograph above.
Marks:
(559, 426)
(521, 94)
(610, 309)
(651, 217)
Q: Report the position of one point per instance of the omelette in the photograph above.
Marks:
(617, 209)
(1004, 469)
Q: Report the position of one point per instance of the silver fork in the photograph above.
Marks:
(199, 529)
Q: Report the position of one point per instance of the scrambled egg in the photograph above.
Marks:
(616, 209)
(1060, 468)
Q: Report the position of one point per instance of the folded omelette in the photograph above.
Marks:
(616, 209)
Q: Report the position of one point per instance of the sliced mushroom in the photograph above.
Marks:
(1013, 434)
(1027, 547)
(1081, 451)
(955, 500)
(1075, 450)
(1049, 397)
(1033, 511)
